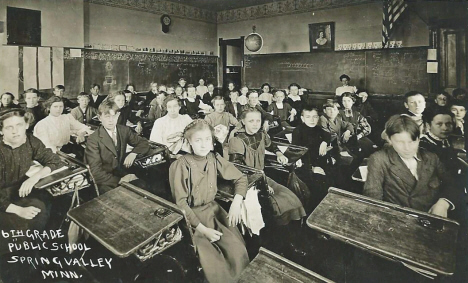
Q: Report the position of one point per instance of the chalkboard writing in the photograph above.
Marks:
(113, 69)
(390, 71)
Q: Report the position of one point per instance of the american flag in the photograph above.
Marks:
(392, 10)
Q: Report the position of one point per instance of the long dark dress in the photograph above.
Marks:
(251, 150)
(14, 163)
(193, 181)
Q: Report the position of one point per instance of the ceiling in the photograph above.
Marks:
(221, 5)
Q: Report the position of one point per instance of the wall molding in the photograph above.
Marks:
(161, 7)
(285, 7)
(273, 9)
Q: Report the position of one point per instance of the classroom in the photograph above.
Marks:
(233, 141)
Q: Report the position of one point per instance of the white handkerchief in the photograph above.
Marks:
(363, 171)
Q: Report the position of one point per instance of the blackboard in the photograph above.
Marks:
(389, 71)
(113, 70)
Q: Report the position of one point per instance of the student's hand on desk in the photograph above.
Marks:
(234, 214)
(27, 212)
(299, 163)
(129, 159)
(440, 208)
(281, 158)
(27, 186)
(323, 149)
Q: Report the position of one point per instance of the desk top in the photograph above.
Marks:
(226, 189)
(398, 233)
(123, 219)
(271, 267)
(292, 152)
(74, 168)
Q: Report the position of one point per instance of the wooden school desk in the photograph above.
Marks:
(292, 152)
(269, 267)
(423, 242)
(130, 221)
(65, 181)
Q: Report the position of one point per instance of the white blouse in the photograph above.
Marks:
(54, 132)
(166, 126)
(342, 89)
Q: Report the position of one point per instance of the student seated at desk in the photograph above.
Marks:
(282, 109)
(156, 107)
(458, 108)
(340, 130)
(220, 116)
(22, 207)
(83, 113)
(407, 175)
(168, 129)
(365, 108)
(345, 79)
(253, 103)
(201, 89)
(150, 95)
(209, 95)
(415, 103)
(193, 181)
(55, 130)
(126, 117)
(59, 91)
(296, 101)
(95, 99)
(193, 104)
(105, 151)
(317, 169)
(242, 99)
(33, 108)
(266, 98)
(232, 105)
(132, 101)
(248, 147)
(361, 126)
(7, 101)
(438, 139)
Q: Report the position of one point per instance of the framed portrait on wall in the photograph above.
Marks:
(322, 36)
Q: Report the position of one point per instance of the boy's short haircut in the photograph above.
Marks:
(294, 84)
(117, 93)
(329, 104)
(308, 108)
(59, 87)
(438, 111)
(134, 88)
(83, 95)
(190, 86)
(106, 106)
(402, 123)
(345, 76)
(209, 85)
(444, 93)
(96, 85)
(217, 97)
(11, 112)
(182, 79)
(350, 95)
(411, 93)
(279, 91)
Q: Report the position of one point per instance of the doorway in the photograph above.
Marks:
(232, 60)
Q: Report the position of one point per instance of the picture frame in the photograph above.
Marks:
(322, 36)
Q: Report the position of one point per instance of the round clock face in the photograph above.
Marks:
(166, 20)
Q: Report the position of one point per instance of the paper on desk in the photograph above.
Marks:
(363, 171)
(36, 167)
(289, 137)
